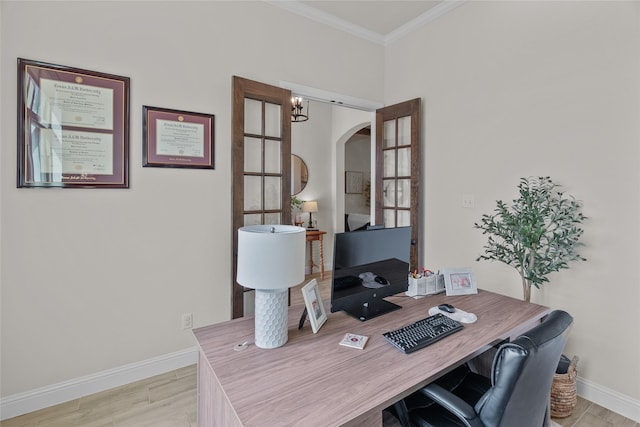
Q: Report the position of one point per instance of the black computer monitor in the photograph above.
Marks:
(368, 266)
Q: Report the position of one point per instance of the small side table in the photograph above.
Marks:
(313, 235)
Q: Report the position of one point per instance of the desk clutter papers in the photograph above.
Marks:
(354, 341)
(458, 315)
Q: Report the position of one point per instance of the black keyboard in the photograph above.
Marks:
(422, 333)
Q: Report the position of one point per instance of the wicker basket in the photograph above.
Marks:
(563, 391)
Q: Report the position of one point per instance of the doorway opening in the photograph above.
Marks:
(358, 180)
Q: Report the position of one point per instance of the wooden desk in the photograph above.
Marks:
(313, 235)
(313, 381)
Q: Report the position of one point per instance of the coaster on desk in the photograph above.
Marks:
(459, 315)
(354, 340)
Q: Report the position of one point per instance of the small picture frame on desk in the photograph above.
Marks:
(315, 308)
(459, 281)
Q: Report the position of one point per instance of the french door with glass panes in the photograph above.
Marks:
(261, 163)
(398, 169)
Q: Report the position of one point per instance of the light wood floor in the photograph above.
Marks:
(169, 400)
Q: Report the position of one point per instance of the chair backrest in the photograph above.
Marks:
(522, 374)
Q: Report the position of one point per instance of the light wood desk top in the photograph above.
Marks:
(313, 381)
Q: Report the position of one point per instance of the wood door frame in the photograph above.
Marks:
(243, 88)
(411, 109)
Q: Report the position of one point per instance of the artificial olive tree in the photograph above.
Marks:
(538, 234)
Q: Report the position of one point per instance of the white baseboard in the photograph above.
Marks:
(22, 403)
(610, 399)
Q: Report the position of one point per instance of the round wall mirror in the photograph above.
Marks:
(299, 174)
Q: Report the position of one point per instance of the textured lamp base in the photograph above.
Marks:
(271, 318)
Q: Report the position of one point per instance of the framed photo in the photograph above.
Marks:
(73, 127)
(353, 182)
(177, 139)
(315, 308)
(459, 281)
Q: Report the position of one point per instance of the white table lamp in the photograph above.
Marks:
(271, 260)
(310, 206)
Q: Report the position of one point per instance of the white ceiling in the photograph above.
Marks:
(381, 17)
(380, 21)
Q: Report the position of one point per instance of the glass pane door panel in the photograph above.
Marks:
(252, 155)
(272, 120)
(252, 219)
(272, 218)
(404, 130)
(389, 192)
(252, 116)
(404, 193)
(404, 161)
(404, 218)
(252, 193)
(389, 133)
(272, 185)
(389, 164)
(389, 218)
(272, 157)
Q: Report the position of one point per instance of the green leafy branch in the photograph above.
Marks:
(538, 234)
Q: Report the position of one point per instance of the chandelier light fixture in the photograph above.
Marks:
(297, 110)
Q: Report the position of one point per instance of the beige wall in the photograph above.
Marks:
(97, 279)
(514, 89)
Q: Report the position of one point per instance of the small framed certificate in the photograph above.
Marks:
(177, 139)
(73, 127)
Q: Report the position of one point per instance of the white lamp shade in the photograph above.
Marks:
(310, 206)
(270, 257)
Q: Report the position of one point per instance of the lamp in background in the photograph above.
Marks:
(271, 260)
(297, 110)
(310, 206)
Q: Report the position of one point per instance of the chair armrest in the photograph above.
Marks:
(452, 403)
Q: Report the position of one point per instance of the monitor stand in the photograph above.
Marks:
(368, 311)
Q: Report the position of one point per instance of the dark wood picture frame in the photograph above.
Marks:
(73, 127)
(177, 139)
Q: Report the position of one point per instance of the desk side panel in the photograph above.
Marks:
(214, 408)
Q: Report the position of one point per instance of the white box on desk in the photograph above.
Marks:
(427, 285)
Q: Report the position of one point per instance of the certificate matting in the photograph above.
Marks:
(73, 127)
(177, 139)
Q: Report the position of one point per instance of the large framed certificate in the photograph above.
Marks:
(73, 127)
(177, 139)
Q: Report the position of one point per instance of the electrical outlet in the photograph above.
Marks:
(468, 201)
(187, 321)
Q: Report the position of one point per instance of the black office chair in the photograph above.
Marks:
(516, 395)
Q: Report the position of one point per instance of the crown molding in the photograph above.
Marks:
(421, 20)
(328, 19)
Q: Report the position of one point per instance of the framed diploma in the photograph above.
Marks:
(73, 127)
(177, 139)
